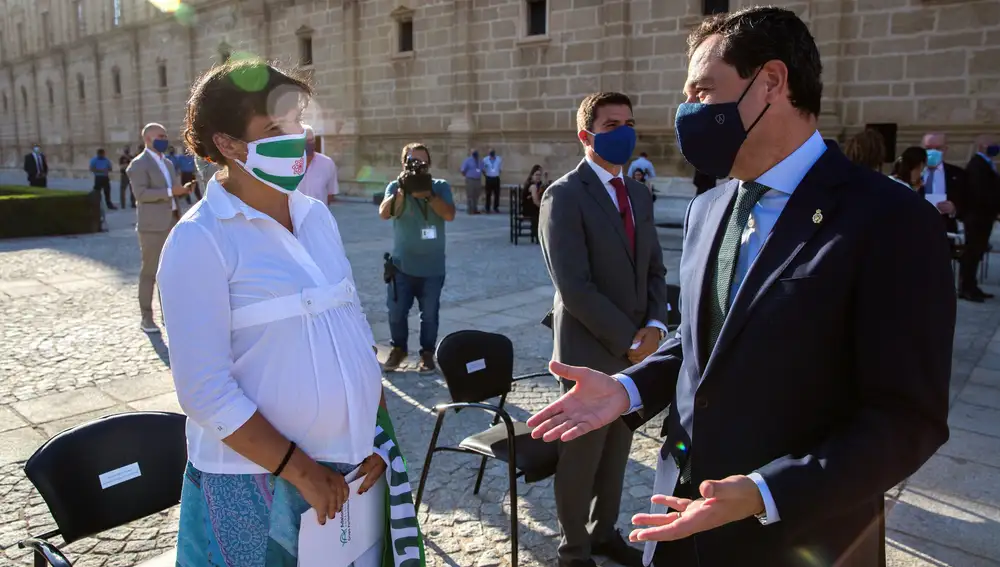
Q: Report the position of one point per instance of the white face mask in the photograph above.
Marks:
(279, 161)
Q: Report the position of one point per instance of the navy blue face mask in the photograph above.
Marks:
(615, 146)
(710, 135)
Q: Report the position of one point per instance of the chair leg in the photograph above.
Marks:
(479, 477)
(427, 460)
(512, 474)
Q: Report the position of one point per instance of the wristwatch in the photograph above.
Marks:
(762, 517)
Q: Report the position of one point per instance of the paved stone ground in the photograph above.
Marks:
(72, 351)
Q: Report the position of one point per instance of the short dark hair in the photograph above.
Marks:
(587, 112)
(753, 36)
(100, 150)
(642, 154)
(227, 96)
(408, 148)
(866, 148)
(911, 158)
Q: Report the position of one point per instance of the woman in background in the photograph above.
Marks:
(867, 149)
(909, 167)
(531, 197)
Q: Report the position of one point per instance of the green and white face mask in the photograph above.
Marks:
(279, 162)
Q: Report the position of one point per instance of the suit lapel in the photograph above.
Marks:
(595, 188)
(704, 251)
(810, 207)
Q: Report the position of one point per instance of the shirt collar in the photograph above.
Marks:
(786, 175)
(154, 155)
(224, 205)
(602, 173)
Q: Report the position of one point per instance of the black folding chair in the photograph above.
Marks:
(104, 474)
(478, 366)
(520, 225)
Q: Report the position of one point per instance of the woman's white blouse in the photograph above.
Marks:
(259, 319)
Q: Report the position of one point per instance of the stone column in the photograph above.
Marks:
(34, 86)
(101, 124)
(66, 92)
(13, 102)
(137, 66)
(613, 50)
(834, 31)
(346, 131)
(462, 70)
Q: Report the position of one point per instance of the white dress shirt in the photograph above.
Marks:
(937, 186)
(606, 178)
(320, 180)
(261, 319)
(166, 175)
(782, 179)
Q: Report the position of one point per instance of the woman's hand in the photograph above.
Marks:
(324, 490)
(372, 469)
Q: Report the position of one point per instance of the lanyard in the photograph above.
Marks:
(423, 205)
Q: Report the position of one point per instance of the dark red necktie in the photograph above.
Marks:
(625, 208)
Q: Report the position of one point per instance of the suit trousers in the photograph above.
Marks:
(588, 487)
(977, 241)
(125, 187)
(493, 193)
(473, 188)
(150, 245)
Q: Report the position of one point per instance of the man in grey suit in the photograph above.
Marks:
(156, 186)
(604, 258)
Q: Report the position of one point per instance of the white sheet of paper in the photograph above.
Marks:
(358, 526)
(636, 344)
(935, 198)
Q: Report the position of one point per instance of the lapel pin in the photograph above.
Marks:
(818, 216)
(750, 223)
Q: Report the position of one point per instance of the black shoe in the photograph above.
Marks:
(984, 294)
(971, 296)
(426, 365)
(396, 357)
(577, 563)
(112, 207)
(617, 549)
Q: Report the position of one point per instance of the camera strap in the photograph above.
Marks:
(423, 205)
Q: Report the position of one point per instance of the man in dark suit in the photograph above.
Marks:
(981, 206)
(37, 168)
(602, 253)
(946, 181)
(810, 371)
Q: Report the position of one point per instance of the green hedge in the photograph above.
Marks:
(32, 211)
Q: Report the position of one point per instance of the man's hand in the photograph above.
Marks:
(595, 401)
(180, 190)
(648, 339)
(946, 207)
(728, 500)
(372, 468)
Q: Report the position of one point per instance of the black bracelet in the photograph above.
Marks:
(288, 456)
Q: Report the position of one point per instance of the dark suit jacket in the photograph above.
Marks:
(830, 377)
(983, 197)
(604, 293)
(31, 167)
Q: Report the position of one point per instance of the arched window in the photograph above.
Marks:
(52, 96)
(116, 81)
(24, 98)
(161, 69)
(80, 92)
(5, 103)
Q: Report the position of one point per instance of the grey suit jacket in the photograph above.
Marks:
(604, 293)
(155, 213)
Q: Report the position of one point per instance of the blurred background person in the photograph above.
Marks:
(184, 162)
(101, 167)
(531, 197)
(945, 184)
(492, 166)
(867, 149)
(36, 167)
(473, 173)
(908, 168)
(320, 181)
(123, 187)
(981, 207)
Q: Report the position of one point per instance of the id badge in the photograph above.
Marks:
(429, 233)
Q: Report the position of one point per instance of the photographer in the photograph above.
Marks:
(418, 205)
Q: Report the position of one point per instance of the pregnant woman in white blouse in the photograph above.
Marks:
(271, 354)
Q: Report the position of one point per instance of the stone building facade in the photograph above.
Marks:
(508, 74)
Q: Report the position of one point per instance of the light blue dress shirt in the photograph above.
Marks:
(783, 178)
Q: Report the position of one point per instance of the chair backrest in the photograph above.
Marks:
(476, 365)
(110, 471)
(674, 301)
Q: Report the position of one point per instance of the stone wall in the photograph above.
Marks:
(474, 76)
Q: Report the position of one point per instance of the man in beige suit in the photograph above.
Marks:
(156, 185)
